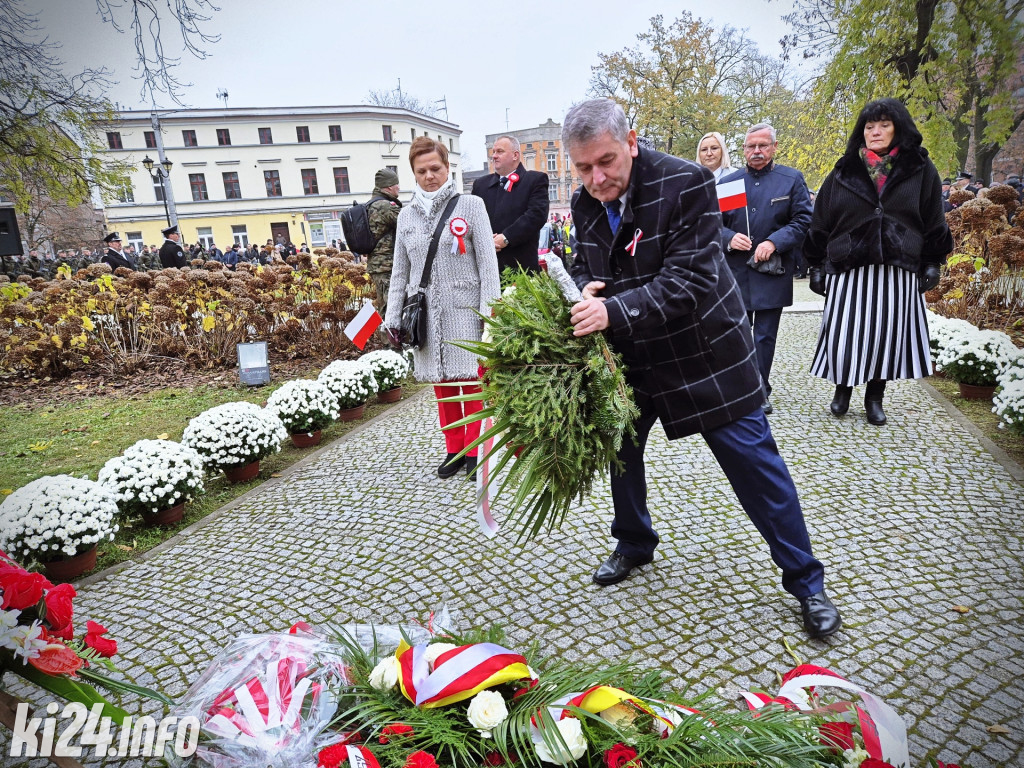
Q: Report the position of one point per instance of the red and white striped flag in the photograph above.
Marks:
(363, 325)
(731, 195)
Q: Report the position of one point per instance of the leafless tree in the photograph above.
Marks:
(397, 98)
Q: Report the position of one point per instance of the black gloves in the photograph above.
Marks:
(928, 277)
(816, 280)
(395, 337)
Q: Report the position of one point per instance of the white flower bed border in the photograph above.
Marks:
(153, 475)
(303, 406)
(234, 434)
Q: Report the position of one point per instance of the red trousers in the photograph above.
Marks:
(457, 439)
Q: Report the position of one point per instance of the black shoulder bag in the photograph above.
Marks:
(414, 310)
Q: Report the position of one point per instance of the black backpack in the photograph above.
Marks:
(355, 224)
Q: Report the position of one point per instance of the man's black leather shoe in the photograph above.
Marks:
(617, 567)
(449, 467)
(821, 618)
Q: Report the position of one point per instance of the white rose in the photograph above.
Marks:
(432, 651)
(385, 675)
(572, 734)
(486, 710)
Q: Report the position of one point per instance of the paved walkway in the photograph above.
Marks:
(911, 520)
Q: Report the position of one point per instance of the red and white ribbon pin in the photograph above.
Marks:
(458, 227)
(512, 179)
(636, 239)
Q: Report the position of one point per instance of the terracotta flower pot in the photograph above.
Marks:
(352, 414)
(306, 439)
(68, 568)
(390, 396)
(243, 472)
(976, 391)
(168, 516)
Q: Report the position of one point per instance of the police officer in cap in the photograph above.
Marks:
(114, 256)
(171, 253)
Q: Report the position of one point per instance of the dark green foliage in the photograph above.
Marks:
(564, 400)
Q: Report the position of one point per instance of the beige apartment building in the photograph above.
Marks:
(241, 175)
(542, 151)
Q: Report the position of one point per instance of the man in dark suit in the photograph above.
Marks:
(171, 253)
(114, 256)
(517, 205)
(650, 265)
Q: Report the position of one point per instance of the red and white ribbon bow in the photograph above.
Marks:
(512, 179)
(458, 227)
(636, 239)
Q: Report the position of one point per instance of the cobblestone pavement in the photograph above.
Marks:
(911, 520)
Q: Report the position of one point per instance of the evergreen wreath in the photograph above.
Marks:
(561, 401)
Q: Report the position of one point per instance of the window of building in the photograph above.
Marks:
(387, 132)
(232, 190)
(224, 137)
(451, 145)
(413, 130)
(158, 189)
(125, 193)
(302, 134)
(341, 181)
(265, 136)
(440, 139)
(309, 185)
(135, 238)
(240, 235)
(273, 182)
(553, 191)
(335, 132)
(189, 137)
(114, 140)
(205, 236)
(150, 139)
(392, 168)
(197, 182)
(552, 162)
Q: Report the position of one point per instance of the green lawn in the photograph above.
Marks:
(77, 439)
(979, 412)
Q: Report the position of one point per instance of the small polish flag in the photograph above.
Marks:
(363, 325)
(732, 194)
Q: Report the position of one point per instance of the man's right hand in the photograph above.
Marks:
(740, 242)
(591, 289)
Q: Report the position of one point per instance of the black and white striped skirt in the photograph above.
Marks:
(874, 326)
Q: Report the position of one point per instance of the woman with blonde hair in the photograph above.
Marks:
(713, 154)
(462, 282)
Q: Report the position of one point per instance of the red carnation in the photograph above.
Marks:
(620, 756)
(395, 729)
(331, 757)
(420, 759)
(523, 691)
(21, 588)
(838, 735)
(59, 610)
(874, 762)
(94, 639)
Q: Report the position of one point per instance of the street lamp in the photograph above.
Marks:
(161, 172)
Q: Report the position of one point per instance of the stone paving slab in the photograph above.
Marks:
(910, 520)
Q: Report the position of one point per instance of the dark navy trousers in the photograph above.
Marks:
(747, 453)
(765, 325)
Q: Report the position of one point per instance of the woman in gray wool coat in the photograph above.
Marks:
(463, 281)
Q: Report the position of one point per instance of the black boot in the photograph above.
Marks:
(450, 466)
(873, 402)
(841, 401)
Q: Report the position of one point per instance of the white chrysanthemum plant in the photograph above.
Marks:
(389, 368)
(234, 435)
(56, 516)
(1008, 404)
(942, 331)
(976, 357)
(351, 382)
(153, 475)
(303, 406)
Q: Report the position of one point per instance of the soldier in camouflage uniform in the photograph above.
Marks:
(10, 267)
(383, 217)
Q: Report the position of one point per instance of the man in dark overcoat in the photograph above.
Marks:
(171, 252)
(779, 212)
(517, 205)
(650, 265)
(114, 256)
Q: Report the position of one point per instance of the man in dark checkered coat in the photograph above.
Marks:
(650, 264)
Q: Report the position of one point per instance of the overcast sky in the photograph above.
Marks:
(531, 58)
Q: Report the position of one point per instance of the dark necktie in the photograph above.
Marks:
(614, 217)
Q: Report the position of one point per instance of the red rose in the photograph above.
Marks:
(947, 765)
(59, 609)
(620, 756)
(523, 691)
(21, 588)
(420, 759)
(94, 639)
(395, 729)
(495, 759)
(838, 736)
(873, 762)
